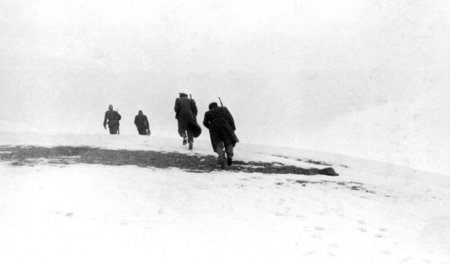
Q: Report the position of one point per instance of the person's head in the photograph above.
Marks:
(183, 95)
(212, 105)
(110, 107)
(140, 112)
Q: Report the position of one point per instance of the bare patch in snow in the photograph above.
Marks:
(351, 185)
(315, 162)
(65, 155)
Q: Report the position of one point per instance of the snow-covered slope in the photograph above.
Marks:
(80, 213)
(16, 127)
(411, 133)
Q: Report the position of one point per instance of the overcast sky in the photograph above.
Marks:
(314, 74)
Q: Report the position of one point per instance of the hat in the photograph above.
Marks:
(212, 105)
(183, 94)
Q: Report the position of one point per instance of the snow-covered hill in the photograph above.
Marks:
(16, 127)
(75, 212)
(412, 133)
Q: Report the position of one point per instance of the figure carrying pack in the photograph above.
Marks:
(112, 119)
(186, 115)
(142, 125)
(221, 127)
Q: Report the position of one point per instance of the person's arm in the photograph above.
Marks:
(135, 120)
(177, 108)
(206, 121)
(230, 118)
(146, 124)
(104, 120)
(194, 107)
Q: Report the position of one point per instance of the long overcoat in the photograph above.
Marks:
(186, 112)
(221, 127)
(141, 121)
(112, 118)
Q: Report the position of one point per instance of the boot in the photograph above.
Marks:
(222, 162)
(229, 151)
(229, 161)
(220, 151)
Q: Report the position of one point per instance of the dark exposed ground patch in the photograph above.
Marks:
(351, 185)
(315, 162)
(64, 155)
(305, 160)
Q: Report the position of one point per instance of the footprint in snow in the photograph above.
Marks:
(68, 214)
(333, 245)
(362, 230)
(280, 214)
(316, 236)
(300, 216)
(308, 253)
(405, 260)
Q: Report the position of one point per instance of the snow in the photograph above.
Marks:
(79, 213)
(16, 127)
(413, 133)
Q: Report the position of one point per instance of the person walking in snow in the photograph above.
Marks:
(112, 118)
(142, 124)
(186, 115)
(221, 127)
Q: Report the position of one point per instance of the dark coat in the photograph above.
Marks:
(141, 121)
(194, 128)
(112, 118)
(186, 112)
(221, 127)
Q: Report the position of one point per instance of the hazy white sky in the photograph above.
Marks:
(288, 70)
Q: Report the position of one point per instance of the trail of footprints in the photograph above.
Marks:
(319, 232)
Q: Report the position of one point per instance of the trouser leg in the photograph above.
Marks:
(112, 130)
(190, 136)
(182, 133)
(220, 151)
(190, 139)
(229, 150)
